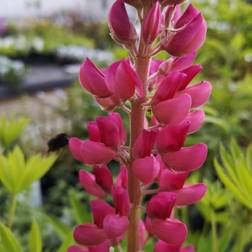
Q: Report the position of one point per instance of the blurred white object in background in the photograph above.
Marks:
(95, 9)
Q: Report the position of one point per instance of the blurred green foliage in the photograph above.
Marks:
(11, 129)
(41, 37)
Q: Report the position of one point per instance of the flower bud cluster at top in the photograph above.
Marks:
(157, 158)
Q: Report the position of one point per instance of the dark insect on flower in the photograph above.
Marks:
(58, 142)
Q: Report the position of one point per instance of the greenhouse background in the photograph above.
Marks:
(42, 45)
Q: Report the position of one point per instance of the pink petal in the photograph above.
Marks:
(172, 138)
(160, 206)
(199, 93)
(154, 66)
(173, 111)
(177, 63)
(171, 180)
(121, 80)
(121, 200)
(90, 152)
(189, 14)
(119, 23)
(190, 72)
(152, 23)
(92, 79)
(168, 17)
(118, 119)
(191, 35)
(168, 87)
(77, 249)
(89, 235)
(196, 119)
(109, 131)
(103, 178)
(87, 181)
(100, 209)
(93, 132)
(162, 246)
(146, 169)
(187, 158)
(144, 144)
(122, 178)
(190, 194)
(74, 146)
(115, 225)
(104, 247)
(171, 230)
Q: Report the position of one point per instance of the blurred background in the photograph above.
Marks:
(42, 44)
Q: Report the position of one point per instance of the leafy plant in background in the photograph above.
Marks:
(11, 129)
(229, 39)
(16, 175)
(162, 111)
(227, 209)
(236, 172)
(41, 38)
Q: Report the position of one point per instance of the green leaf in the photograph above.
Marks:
(35, 242)
(60, 228)
(17, 174)
(230, 185)
(11, 129)
(8, 242)
(67, 242)
(80, 212)
(218, 122)
(236, 172)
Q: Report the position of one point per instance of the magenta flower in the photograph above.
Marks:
(187, 158)
(152, 23)
(106, 135)
(108, 226)
(146, 169)
(120, 26)
(111, 86)
(163, 108)
(93, 79)
(97, 183)
(86, 151)
(188, 35)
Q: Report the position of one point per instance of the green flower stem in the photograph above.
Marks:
(12, 210)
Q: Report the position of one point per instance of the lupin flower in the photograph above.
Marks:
(93, 79)
(187, 34)
(100, 140)
(160, 224)
(97, 183)
(108, 226)
(152, 23)
(174, 181)
(122, 30)
(156, 162)
(111, 86)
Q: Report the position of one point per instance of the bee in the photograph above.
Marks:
(57, 142)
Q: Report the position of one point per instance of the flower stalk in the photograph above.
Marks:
(136, 126)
